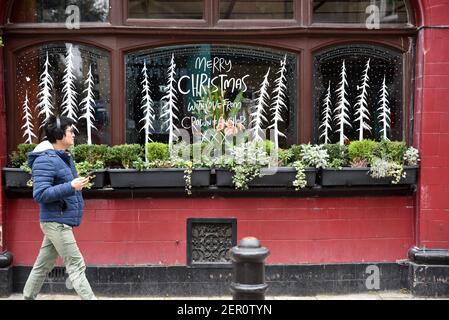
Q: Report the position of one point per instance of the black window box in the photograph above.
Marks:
(16, 178)
(162, 178)
(361, 177)
(281, 177)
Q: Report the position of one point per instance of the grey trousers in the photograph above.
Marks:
(58, 241)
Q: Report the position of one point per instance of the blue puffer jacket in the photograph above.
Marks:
(53, 172)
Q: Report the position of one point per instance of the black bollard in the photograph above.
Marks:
(5, 259)
(248, 261)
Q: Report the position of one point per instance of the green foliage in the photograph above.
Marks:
(157, 151)
(296, 153)
(20, 157)
(338, 155)
(314, 156)
(124, 155)
(243, 174)
(90, 153)
(390, 150)
(361, 150)
(84, 168)
(285, 157)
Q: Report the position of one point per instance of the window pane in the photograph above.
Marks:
(356, 11)
(40, 11)
(366, 67)
(33, 80)
(165, 9)
(212, 82)
(264, 9)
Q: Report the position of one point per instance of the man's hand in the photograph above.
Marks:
(79, 183)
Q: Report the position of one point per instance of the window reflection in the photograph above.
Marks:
(359, 11)
(48, 11)
(267, 9)
(163, 9)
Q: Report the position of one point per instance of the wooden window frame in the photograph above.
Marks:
(120, 39)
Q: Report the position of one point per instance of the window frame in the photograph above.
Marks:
(119, 39)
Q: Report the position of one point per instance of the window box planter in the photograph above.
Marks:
(16, 178)
(283, 177)
(157, 178)
(100, 179)
(361, 176)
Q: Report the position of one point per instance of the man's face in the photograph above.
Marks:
(69, 137)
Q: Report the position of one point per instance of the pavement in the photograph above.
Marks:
(378, 295)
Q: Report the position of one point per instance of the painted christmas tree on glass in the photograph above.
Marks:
(147, 108)
(45, 104)
(69, 104)
(342, 109)
(258, 117)
(326, 126)
(361, 106)
(279, 104)
(28, 127)
(88, 104)
(384, 110)
(169, 108)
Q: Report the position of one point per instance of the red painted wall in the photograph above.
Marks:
(295, 230)
(432, 125)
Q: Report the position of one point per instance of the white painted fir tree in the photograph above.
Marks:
(342, 109)
(88, 105)
(69, 103)
(45, 100)
(384, 110)
(326, 126)
(258, 117)
(169, 108)
(278, 104)
(147, 108)
(28, 127)
(361, 107)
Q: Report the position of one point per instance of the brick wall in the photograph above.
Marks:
(432, 131)
(140, 231)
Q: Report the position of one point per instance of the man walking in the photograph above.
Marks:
(57, 189)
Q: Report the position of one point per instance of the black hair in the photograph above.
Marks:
(56, 127)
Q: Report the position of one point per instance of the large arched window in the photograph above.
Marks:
(315, 37)
(56, 79)
(211, 83)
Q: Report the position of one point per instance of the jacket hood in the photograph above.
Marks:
(41, 148)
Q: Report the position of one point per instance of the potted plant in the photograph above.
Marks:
(367, 162)
(161, 169)
(90, 160)
(18, 173)
(248, 166)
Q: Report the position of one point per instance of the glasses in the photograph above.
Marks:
(71, 130)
